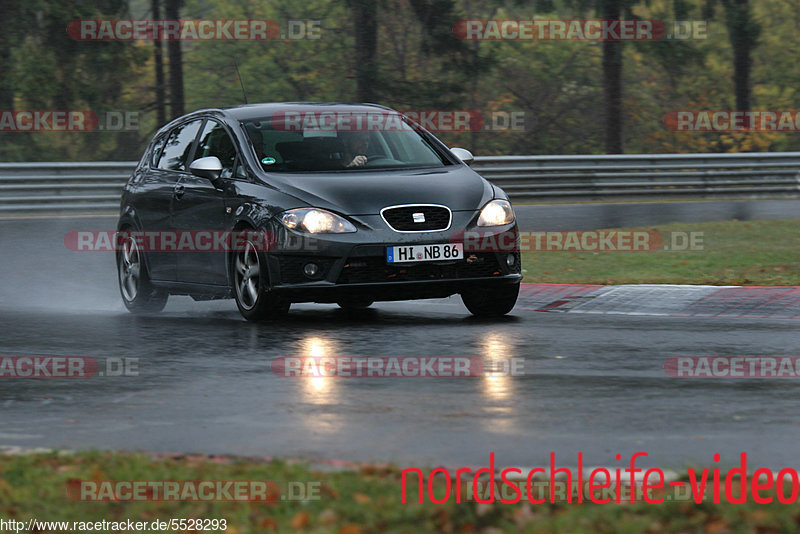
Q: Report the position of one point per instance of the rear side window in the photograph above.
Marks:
(179, 143)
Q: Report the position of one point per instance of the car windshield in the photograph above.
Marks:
(303, 141)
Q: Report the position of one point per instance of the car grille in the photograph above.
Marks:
(361, 270)
(401, 218)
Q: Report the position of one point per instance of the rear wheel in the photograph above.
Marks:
(255, 300)
(491, 302)
(138, 294)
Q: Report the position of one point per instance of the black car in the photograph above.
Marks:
(272, 204)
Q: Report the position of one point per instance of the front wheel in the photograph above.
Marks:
(491, 302)
(138, 294)
(251, 286)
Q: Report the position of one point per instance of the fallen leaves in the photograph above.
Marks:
(328, 517)
(362, 499)
(268, 523)
(328, 491)
(300, 521)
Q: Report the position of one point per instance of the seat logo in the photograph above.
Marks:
(419, 217)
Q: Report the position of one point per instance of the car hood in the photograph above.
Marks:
(366, 193)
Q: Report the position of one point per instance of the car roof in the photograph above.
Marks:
(256, 111)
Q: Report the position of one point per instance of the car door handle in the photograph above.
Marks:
(179, 191)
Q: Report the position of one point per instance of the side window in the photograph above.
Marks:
(177, 147)
(215, 141)
(158, 146)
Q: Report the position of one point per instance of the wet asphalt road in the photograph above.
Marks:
(592, 383)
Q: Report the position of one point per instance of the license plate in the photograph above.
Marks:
(414, 253)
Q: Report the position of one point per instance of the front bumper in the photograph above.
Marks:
(326, 292)
(348, 268)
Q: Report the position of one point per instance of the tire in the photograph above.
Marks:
(355, 304)
(251, 289)
(138, 294)
(491, 302)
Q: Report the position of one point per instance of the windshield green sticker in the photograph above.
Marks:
(268, 161)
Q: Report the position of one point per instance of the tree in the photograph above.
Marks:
(158, 59)
(612, 69)
(365, 20)
(612, 81)
(743, 33)
(177, 105)
(22, 17)
(53, 70)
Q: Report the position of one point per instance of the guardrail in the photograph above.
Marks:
(46, 188)
(644, 176)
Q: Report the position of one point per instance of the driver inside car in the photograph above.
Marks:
(355, 148)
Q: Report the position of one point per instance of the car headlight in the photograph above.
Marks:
(316, 221)
(496, 213)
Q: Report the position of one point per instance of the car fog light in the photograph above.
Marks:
(511, 260)
(311, 270)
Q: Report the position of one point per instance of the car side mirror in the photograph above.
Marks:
(209, 168)
(463, 154)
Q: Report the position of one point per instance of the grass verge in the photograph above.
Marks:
(733, 253)
(349, 501)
